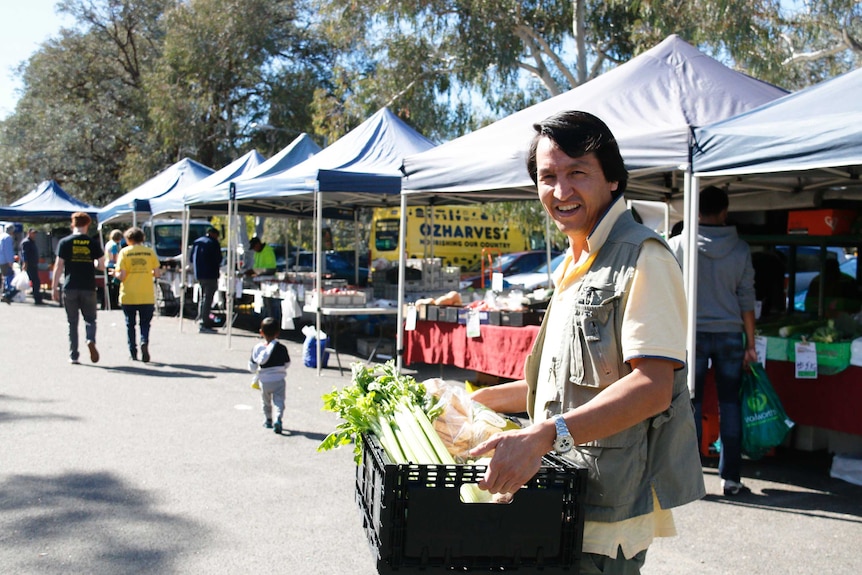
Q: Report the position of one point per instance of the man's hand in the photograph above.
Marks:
(517, 457)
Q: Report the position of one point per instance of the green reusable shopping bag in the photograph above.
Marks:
(764, 421)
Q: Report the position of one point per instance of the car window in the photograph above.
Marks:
(808, 257)
(543, 269)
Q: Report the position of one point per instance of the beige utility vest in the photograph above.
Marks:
(660, 452)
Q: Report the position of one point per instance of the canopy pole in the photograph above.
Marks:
(183, 263)
(106, 296)
(230, 288)
(318, 281)
(690, 250)
(402, 264)
(356, 245)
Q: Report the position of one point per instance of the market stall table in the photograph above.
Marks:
(333, 315)
(499, 350)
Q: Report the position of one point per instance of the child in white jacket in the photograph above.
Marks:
(269, 359)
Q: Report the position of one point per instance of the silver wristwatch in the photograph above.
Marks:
(564, 442)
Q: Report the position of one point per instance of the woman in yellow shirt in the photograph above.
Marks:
(137, 265)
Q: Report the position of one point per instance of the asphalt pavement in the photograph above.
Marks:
(124, 467)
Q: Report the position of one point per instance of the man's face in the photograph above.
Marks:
(573, 191)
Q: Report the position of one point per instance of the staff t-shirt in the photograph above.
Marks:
(139, 261)
(78, 252)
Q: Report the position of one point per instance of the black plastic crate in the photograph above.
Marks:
(432, 312)
(416, 523)
(515, 318)
(464, 316)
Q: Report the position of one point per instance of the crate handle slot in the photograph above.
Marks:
(470, 494)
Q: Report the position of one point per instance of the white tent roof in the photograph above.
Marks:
(361, 165)
(178, 176)
(298, 151)
(650, 104)
(174, 201)
(794, 152)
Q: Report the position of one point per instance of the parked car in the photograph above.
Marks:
(538, 278)
(336, 266)
(507, 264)
(807, 267)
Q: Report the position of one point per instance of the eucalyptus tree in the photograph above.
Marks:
(82, 110)
(819, 40)
(229, 67)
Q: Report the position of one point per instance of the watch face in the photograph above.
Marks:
(563, 444)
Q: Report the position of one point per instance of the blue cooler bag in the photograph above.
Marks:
(309, 351)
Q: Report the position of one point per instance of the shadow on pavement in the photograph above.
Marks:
(810, 490)
(183, 370)
(88, 523)
(308, 434)
(7, 416)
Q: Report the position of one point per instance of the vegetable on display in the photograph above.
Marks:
(399, 411)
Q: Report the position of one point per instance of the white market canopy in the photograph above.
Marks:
(48, 201)
(178, 176)
(218, 194)
(174, 201)
(793, 152)
(357, 169)
(650, 103)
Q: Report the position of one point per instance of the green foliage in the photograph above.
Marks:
(138, 84)
(374, 393)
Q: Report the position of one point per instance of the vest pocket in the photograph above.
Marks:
(598, 355)
(616, 467)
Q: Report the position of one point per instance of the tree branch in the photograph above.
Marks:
(540, 71)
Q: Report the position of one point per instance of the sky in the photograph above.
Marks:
(33, 22)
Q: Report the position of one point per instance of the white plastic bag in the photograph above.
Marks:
(21, 281)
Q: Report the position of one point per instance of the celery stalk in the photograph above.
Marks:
(432, 436)
(389, 440)
(415, 438)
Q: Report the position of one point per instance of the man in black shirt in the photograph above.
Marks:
(31, 264)
(76, 256)
(206, 258)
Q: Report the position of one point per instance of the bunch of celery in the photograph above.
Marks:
(392, 406)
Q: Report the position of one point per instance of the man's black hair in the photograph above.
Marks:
(712, 201)
(578, 134)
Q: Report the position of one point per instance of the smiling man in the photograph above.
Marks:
(605, 384)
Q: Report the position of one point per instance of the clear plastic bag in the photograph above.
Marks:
(463, 423)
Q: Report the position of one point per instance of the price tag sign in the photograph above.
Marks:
(806, 360)
(473, 324)
(497, 281)
(410, 320)
(760, 348)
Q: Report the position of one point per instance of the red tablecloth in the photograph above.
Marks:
(499, 351)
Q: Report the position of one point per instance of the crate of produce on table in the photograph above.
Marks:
(415, 521)
(516, 318)
(465, 313)
(336, 297)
